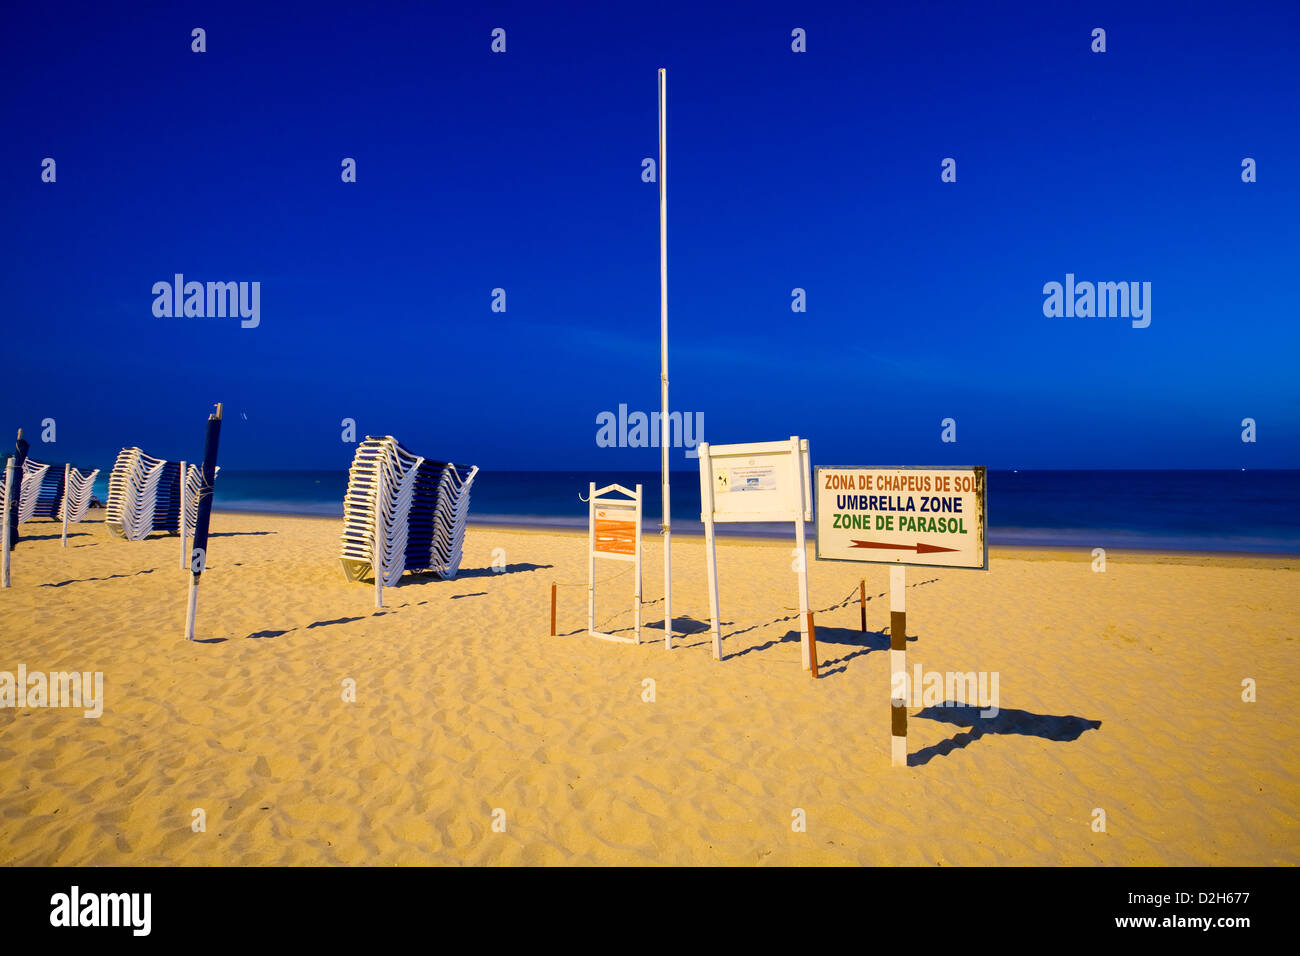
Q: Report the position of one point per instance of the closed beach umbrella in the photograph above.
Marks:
(198, 556)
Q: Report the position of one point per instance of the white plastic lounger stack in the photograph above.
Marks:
(418, 506)
(144, 495)
(45, 497)
(29, 500)
(193, 481)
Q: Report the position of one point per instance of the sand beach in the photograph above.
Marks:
(477, 738)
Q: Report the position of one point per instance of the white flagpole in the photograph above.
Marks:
(665, 430)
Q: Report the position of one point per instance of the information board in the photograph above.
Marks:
(931, 516)
(760, 481)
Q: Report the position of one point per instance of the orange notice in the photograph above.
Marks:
(616, 537)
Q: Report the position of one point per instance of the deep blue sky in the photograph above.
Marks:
(522, 171)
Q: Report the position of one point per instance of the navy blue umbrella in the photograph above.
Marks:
(199, 553)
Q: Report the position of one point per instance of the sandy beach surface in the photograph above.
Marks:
(1119, 691)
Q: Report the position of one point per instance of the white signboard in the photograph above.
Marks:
(763, 481)
(935, 517)
(614, 531)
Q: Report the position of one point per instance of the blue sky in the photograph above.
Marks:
(522, 171)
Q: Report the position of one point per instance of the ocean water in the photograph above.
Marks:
(1236, 511)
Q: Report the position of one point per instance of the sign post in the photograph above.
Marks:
(614, 532)
(762, 481)
(932, 517)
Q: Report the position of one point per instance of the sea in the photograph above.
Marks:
(1216, 511)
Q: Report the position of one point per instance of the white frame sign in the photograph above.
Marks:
(760, 481)
(614, 532)
(925, 516)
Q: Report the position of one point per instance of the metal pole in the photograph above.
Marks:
(665, 429)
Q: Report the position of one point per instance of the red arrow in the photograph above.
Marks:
(918, 547)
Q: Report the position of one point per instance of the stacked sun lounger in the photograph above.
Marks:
(414, 507)
(145, 495)
(45, 497)
(75, 498)
(29, 500)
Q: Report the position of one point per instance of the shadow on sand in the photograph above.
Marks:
(483, 572)
(110, 577)
(1005, 721)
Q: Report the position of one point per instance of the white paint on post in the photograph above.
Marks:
(67, 478)
(898, 659)
(664, 425)
(192, 607)
(5, 543)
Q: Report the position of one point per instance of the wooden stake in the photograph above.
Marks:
(862, 600)
(812, 643)
(552, 609)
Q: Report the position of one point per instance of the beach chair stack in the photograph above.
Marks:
(45, 497)
(75, 498)
(147, 494)
(415, 508)
(29, 500)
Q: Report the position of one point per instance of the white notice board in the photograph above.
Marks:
(759, 481)
(935, 517)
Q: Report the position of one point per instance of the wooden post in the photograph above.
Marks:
(5, 542)
(67, 474)
(862, 600)
(552, 609)
(812, 643)
(184, 529)
(898, 664)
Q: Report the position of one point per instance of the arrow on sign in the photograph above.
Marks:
(918, 547)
